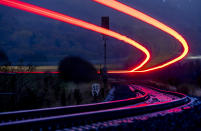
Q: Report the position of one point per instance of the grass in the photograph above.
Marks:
(32, 91)
(186, 88)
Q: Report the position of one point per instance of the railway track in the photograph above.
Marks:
(149, 100)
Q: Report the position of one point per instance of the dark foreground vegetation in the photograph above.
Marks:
(72, 86)
(30, 91)
(184, 77)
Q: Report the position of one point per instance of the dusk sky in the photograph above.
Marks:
(43, 41)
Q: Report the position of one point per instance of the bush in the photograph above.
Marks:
(77, 70)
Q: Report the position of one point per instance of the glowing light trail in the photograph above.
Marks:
(120, 7)
(143, 17)
(67, 19)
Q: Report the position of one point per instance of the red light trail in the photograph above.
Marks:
(145, 18)
(115, 5)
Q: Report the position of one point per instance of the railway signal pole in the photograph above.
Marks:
(104, 24)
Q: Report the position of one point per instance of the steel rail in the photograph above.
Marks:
(69, 120)
(55, 111)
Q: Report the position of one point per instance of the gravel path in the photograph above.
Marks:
(155, 96)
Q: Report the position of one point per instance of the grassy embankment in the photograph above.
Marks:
(32, 91)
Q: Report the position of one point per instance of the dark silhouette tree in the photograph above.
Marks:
(77, 70)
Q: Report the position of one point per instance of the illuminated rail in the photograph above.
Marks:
(55, 111)
(65, 120)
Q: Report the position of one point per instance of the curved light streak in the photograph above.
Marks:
(145, 18)
(67, 19)
(117, 6)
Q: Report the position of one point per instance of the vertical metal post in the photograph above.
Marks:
(104, 24)
(105, 55)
